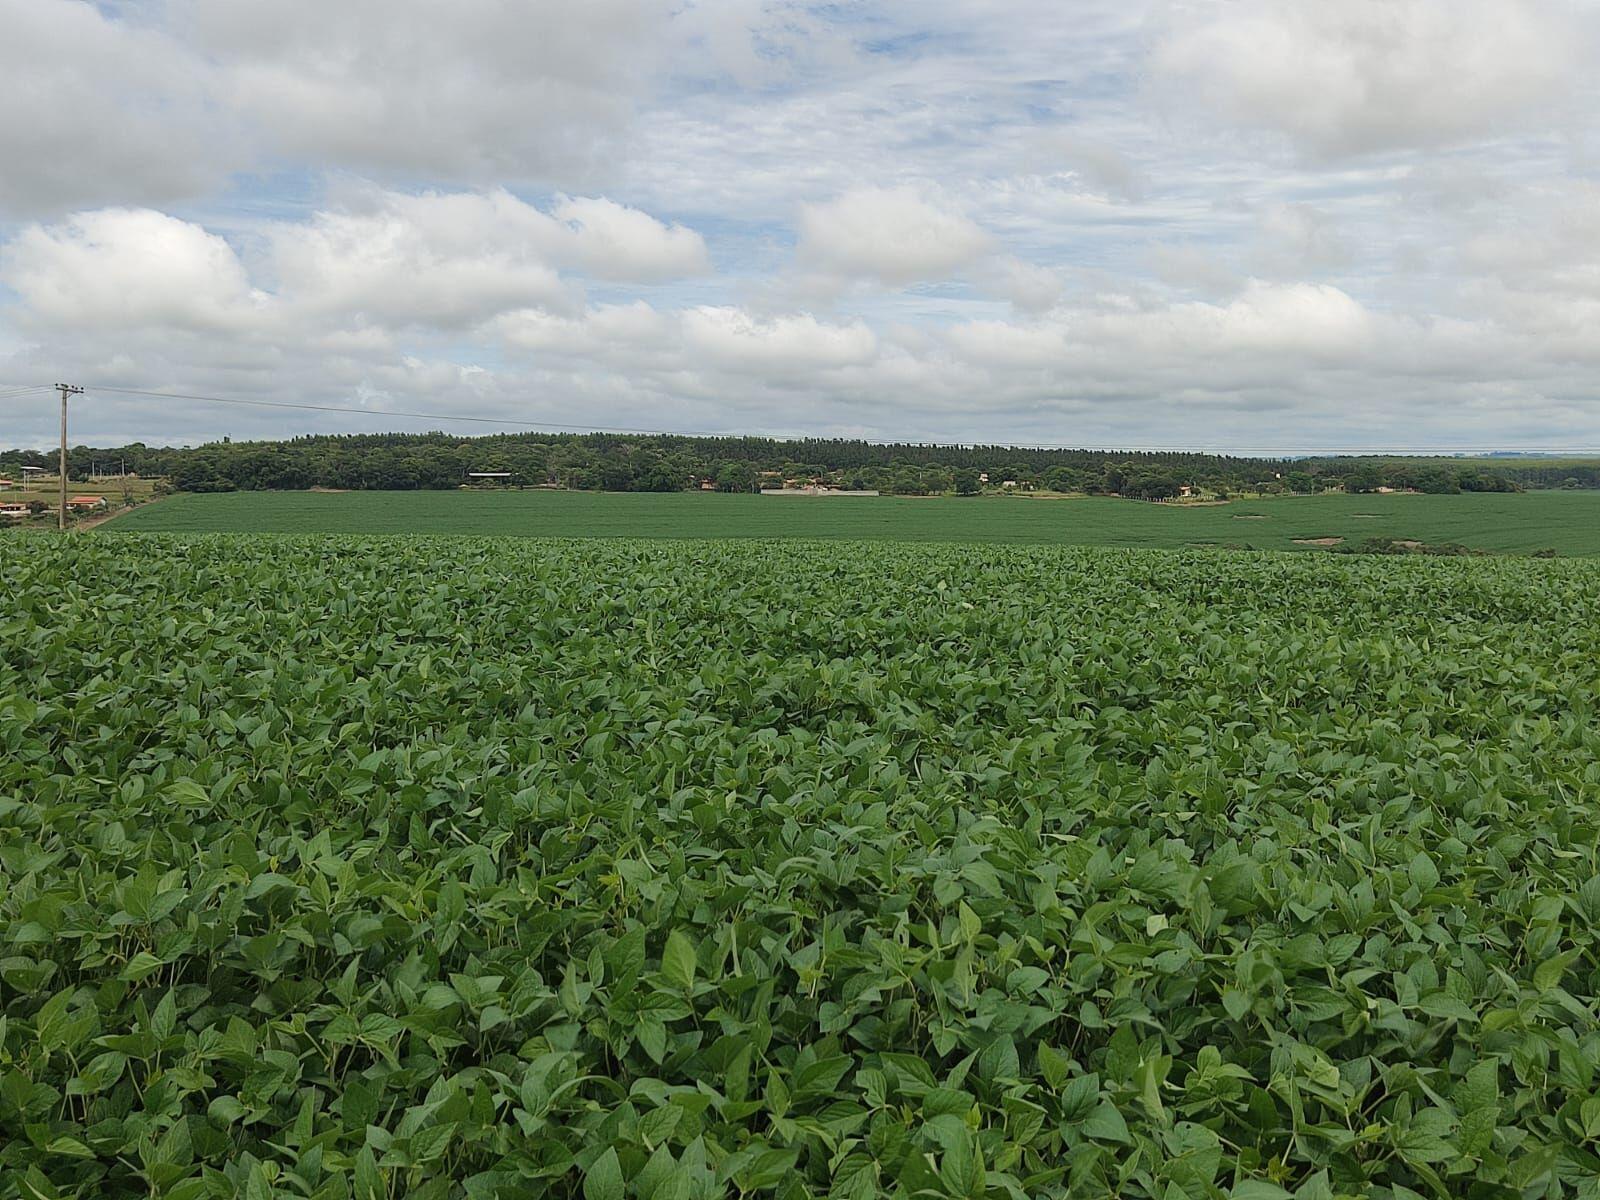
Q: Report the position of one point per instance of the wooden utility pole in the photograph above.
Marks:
(66, 390)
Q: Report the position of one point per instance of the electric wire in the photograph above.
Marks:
(472, 418)
(414, 416)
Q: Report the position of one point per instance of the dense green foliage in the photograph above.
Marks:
(611, 462)
(668, 871)
(1469, 474)
(1525, 523)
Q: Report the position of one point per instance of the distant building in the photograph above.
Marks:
(7, 484)
(13, 512)
(87, 503)
(814, 490)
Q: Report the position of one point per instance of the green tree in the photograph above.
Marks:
(1363, 478)
(734, 476)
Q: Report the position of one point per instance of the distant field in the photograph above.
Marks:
(1491, 462)
(1567, 522)
(111, 488)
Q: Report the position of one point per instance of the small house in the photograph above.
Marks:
(13, 512)
(87, 503)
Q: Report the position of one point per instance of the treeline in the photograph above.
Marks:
(1430, 474)
(612, 462)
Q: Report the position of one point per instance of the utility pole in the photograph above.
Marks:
(66, 390)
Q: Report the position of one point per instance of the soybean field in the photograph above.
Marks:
(1565, 522)
(670, 870)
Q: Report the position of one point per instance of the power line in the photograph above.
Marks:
(952, 443)
(539, 425)
(66, 390)
(416, 416)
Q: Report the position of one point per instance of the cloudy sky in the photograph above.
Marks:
(1249, 224)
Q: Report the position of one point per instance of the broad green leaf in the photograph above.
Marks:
(1105, 1124)
(603, 1179)
(678, 961)
(1423, 873)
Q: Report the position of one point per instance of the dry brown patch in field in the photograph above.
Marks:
(1322, 541)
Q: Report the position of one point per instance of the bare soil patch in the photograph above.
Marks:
(91, 522)
(329, 491)
(1322, 541)
(1249, 516)
(112, 514)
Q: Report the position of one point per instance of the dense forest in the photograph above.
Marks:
(612, 462)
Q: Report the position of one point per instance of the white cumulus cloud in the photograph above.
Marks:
(1354, 76)
(733, 339)
(94, 111)
(487, 90)
(128, 268)
(461, 258)
(613, 241)
(896, 236)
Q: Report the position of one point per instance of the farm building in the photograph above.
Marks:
(13, 512)
(87, 503)
(7, 484)
(815, 490)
